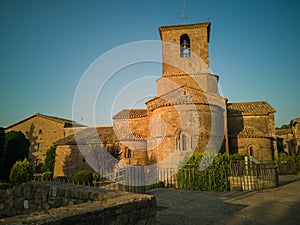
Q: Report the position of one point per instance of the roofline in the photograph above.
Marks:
(185, 26)
(43, 116)
(273, 110)
(115, 116)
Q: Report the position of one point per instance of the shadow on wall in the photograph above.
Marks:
(235, 126)
(33, 158)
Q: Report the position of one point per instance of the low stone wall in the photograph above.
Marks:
(55, 203)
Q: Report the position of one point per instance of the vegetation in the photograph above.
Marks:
(21, 171)
(16, 147)
(50, 160)
(284, 126)
(288, 164)
(83, 177)
(212, 175)
(2, 143)
(47, 176)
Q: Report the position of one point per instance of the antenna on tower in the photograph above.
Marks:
(184, 17)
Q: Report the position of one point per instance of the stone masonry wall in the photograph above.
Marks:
(57, 203)
(68, 161)
(41, 133)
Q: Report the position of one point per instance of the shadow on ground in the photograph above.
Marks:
(274, 206)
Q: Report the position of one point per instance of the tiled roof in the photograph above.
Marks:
(133, 136)
(185, 95)
(250, 108)
(66, 122)
(251, 132)
(131, 113)
(90, 135)
(283, 131)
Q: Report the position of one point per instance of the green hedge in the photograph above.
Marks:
(47, 176)
(21, 172)
(83, 177)
(212, 176)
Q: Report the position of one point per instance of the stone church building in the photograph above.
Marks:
(188, 114)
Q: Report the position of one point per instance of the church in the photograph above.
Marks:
(187, 115)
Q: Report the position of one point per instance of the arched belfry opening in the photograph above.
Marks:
(185, 46)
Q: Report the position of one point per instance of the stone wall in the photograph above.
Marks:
(68, 161)
(57, 203)
(261, 147)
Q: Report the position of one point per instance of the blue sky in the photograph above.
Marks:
(46, 46)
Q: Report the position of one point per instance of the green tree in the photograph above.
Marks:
(2, 143)
(21, 171)
(50, 160)
(16, 148)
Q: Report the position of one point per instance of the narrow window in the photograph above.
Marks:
(178, 143)
(40, 147)
(128, 153)
(251, 151)
(183, 137)
(185, 46)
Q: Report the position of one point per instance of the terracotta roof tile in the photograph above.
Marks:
(185, 95)
(90, 135)
(250, 108)
(131, 113)
(251, 132)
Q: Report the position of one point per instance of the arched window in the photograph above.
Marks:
(185, 46)
(127, 154)
(178, 143)
(251, 153)
(183, 141)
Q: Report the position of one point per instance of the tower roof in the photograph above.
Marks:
(185, 26)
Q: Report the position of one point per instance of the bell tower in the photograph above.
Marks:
(183, 45)
(185, 58)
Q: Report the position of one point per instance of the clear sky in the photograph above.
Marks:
(47, 45)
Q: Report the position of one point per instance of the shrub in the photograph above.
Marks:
(21, 171)
(83, 177)
(288, 164)
(47, 175)
(212, 174)
(50, 160)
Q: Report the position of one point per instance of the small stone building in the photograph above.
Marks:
(288, 140)
(295, 124)
(74, 153)
(251, 129)
(42, 131)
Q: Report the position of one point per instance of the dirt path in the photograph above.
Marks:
(276, 206)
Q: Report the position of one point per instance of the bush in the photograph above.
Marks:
(83, 177)
(21, 172)
(47, 176)
(50, 160)
(288, 164)
(212, 175)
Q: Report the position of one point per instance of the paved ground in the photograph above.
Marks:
(275, 206)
